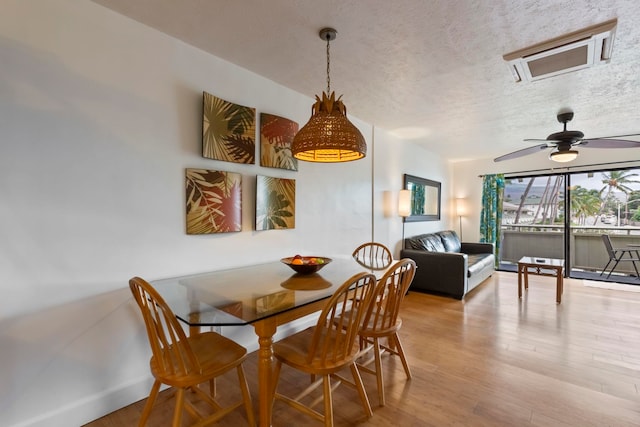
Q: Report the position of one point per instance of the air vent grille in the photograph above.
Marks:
(575, 51)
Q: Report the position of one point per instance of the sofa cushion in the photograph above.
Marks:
(426, 242)
(450, 240)
(477, 262)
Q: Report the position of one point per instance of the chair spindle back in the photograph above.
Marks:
(383, 311)
(341, 319)
(373, 255)
(172, 353)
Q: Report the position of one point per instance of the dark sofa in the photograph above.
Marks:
(445, 265)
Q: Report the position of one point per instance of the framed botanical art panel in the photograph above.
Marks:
(275, 203)
(276, 135)
(213, 201)
(228, 131)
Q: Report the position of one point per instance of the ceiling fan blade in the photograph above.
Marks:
(617, 136)
(521, 153)
(609, 143)
(541, 140)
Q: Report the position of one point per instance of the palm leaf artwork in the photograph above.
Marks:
(276, 136)
(213, 201)
(228, 131)
(275, 203)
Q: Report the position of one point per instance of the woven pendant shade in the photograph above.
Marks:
(329, 136)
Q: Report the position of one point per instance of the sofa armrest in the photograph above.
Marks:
(476, 248)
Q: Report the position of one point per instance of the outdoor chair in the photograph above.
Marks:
(617, 255)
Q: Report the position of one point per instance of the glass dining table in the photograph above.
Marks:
(263, 295)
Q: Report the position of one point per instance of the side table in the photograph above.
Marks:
(549, 267)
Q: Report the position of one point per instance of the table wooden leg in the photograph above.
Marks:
(526, 278)
(194, 328)
(265, 329)
(519, 281)
(559, 286)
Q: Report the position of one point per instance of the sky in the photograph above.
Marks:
(596, 182)
(582, 179)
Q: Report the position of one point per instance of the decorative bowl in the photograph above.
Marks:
(310, 264)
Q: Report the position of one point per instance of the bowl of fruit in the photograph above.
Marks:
(306, 264)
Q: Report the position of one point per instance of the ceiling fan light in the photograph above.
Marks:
(563, 156)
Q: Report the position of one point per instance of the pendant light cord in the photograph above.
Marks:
(328, 64)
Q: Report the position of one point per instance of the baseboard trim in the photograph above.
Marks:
(93, 407)
(100, 404)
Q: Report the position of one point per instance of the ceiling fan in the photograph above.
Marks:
(563, 142)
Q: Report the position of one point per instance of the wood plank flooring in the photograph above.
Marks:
(490, 360)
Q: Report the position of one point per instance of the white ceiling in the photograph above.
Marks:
(435, 65)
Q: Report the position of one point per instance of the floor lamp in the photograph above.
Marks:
(404, 208)
(461, 210)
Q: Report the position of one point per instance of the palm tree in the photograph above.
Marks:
(542, 200)
(632, 204)
(549, 200)
(584, 203)
(523, 199)
(633, 201)
(615, 180)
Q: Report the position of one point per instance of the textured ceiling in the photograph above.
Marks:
(435, 65)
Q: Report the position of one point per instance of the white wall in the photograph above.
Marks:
(99, 117)
(393, 159)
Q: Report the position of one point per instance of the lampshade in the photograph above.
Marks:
(328, 136)
(404, 203)
(563, 156)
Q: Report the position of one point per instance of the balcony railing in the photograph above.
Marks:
(587, 252)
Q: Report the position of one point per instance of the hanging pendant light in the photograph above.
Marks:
(328, 136)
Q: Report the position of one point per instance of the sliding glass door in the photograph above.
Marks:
(535, 223)
(532, 219)
(604, 203)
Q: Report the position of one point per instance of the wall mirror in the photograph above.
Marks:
(425, 198)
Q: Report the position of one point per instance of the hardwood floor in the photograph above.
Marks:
(490, 360)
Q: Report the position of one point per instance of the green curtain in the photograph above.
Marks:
(491, 214)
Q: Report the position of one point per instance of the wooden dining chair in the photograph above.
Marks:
(328, 347)
(373, 255)
(186, 362)
(382, 321)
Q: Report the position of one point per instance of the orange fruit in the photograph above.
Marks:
(297, 261)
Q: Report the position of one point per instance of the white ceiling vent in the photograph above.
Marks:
(575, 51)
